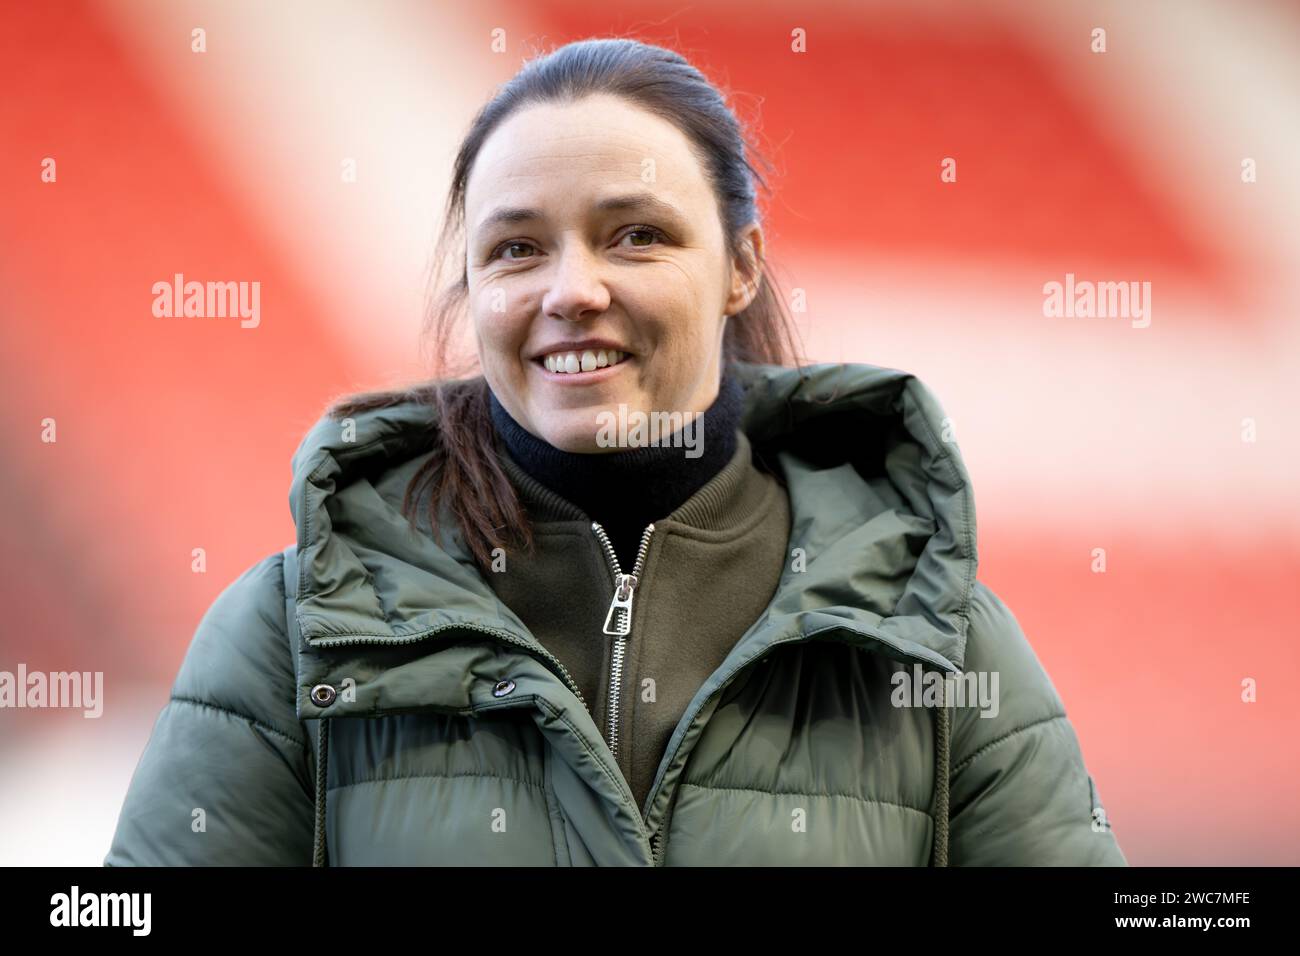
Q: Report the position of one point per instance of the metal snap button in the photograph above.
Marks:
(322, 695)
(502, 688)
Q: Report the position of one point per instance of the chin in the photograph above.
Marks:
(579, 438)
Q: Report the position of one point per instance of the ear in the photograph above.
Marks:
(746, 271)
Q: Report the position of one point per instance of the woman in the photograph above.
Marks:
(513, 632)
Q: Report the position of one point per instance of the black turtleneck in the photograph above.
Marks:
(627, 490)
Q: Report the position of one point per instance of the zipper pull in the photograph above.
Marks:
(620, 609)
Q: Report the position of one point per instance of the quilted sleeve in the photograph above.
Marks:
(1020, 794)
(225, 778)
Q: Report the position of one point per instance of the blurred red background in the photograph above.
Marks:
(1078, 433)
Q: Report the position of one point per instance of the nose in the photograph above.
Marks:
(577, 290)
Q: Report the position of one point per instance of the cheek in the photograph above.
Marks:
(687, 332)
(694, 308)
(501, 333)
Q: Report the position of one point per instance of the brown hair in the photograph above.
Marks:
(463, 473)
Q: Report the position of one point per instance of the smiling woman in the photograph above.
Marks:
(663, 300)
(502, 638)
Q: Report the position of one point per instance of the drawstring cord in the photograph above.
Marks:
(941, 760)
(318, 857)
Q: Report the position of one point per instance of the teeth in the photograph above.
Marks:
(586, 361)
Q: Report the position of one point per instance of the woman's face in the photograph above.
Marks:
(591, 226)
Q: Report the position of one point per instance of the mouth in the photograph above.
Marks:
(582, 367)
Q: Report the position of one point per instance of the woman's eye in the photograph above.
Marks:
(648, 236)
(501, 250)
(648, 231)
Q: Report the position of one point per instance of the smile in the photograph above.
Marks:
(578, 363)
(589, 364)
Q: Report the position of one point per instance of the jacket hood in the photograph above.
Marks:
(882, 542)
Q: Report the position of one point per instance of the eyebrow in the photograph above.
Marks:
(633, 202)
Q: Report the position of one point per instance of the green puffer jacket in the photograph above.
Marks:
(362, 697)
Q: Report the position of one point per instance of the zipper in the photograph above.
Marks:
(618, 622)
(657, 848)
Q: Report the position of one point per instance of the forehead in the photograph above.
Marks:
(559, 158)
